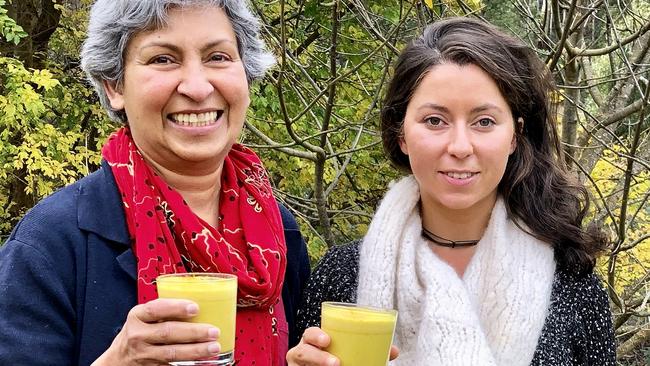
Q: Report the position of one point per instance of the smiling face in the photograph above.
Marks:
(458, 133)
(184, 89)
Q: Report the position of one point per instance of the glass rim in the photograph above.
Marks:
(350, 305)
(211, 275)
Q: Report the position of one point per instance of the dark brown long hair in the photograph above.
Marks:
(537, 188)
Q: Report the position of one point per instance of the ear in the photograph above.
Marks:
(115, 96)
(519, 128)
(402, 142)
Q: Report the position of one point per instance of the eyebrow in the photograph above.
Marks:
(481, 108)
(177, 49)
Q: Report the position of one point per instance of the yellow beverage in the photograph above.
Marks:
(361, 336)
(216, 295)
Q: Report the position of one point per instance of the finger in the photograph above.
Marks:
(307, 355)
(394, 352)
(171, 332)
(316, 337)
(164, 309)
(183, 352)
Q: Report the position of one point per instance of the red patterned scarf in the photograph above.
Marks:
(167, 237)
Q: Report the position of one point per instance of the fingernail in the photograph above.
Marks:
(192, 309)
(214, 347)
(331, 361)
(213, 333)
(322, 339)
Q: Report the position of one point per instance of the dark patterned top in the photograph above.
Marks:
(577, 331)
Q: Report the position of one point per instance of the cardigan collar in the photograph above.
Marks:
(99, 207)
(100, 211)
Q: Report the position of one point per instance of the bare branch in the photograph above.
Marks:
(638, 339)
(620, 114)
(596, 95)
(559, 47)
(275, 145)
(606, 50)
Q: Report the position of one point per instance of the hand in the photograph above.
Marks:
(309, 352)
(157, 333)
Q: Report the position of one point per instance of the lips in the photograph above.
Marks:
(196, 119)
(460, 175)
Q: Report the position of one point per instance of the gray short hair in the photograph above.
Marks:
(114, 22)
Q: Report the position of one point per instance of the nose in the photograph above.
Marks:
(460, 144)
(195, 83)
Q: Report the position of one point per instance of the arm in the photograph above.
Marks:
(36, 308)
(596, 317)
(297, 273)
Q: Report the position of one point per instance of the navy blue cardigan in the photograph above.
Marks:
(67, 276)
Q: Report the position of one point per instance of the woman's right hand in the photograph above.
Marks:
(158, 332)
(309, 352)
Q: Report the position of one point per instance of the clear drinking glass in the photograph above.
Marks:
(360, 335)
(216, 295)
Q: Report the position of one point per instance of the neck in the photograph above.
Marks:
(199, 187)
(457, 225)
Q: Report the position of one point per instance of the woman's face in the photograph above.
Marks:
(458, 134)
(185, 91)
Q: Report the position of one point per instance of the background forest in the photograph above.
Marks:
(314, 119)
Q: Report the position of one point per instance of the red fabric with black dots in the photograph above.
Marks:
(167, 237)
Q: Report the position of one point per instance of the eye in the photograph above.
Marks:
(485, 122)
(433, 121)
(219, 57)
(161, 60)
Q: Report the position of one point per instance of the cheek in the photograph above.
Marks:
(499, 159)
(234, 89)
(149, 91)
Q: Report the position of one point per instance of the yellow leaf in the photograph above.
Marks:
(429, 3)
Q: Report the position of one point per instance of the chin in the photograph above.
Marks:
(202, 151)
(458, 203)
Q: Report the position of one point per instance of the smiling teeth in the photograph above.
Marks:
(194, 119)
(459, 175)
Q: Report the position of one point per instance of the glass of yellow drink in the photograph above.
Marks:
(360, 336)
(216, 296)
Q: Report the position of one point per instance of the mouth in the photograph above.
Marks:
(460, 175)
(196, 119)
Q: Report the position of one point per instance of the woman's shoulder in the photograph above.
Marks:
(54, 214)
(342, 258)
(333, 279)
(578, 289)
(288, 220)
(578, 328)
(580, 299)
(336, 274)
(61, 216)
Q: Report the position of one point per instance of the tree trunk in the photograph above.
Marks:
(39, 18)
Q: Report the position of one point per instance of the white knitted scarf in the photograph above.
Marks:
(493, 315)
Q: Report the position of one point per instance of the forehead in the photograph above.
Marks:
(195, 21)
(457, 84)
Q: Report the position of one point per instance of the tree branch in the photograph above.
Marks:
(606, 50)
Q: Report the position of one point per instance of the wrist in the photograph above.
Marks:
(105, 359)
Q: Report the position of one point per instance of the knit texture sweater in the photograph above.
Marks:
(494, 311)
(577, 330)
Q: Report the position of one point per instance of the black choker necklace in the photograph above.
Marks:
(446, 242)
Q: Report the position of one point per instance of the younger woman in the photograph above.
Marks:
(481, 248)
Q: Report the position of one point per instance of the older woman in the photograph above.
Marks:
(175, 193)
(481, 247)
